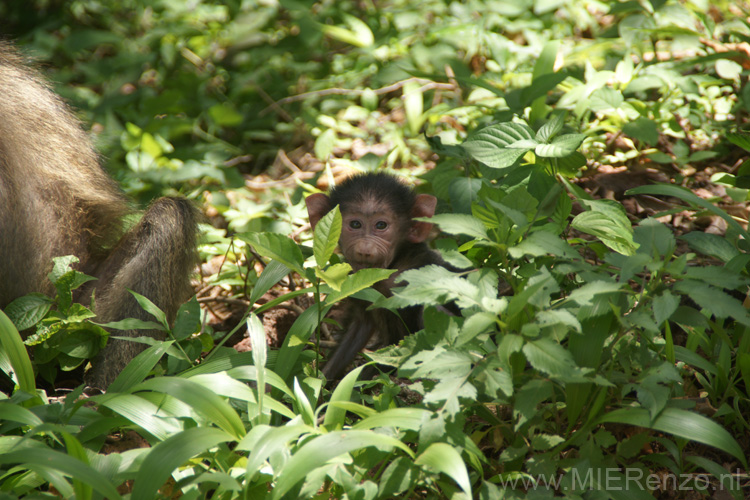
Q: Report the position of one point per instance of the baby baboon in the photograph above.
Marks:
(378, 231)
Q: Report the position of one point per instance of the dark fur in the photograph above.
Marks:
(55, 199)
(379, 326)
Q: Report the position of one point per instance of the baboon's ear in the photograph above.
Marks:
(424, 206)
(318, 205)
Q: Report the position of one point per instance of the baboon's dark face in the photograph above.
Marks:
(371, 234)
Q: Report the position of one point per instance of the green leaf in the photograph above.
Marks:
(551, 128)
(51, 460)
(460, 224)
(444, 458)
(400, 418)
(364, 278)
(334, 418)
(319, 450)
(717, 302)
(689, 197)
(608, 222)
(139, 368)
(164, 458)
(188, 320)
(642, 129)
(276, 246)
(664, 306)
(681, 423)
(562, 146)
(549, 357)
(28, 310)
(494, 145)
(271, 275)
(151, 308)
(739, 139)
(334, 276)
(326, 237)
(15, 351)
(141, 412)
(203, 401)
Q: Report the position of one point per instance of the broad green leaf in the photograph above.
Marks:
(259, 344)
(264, 441)
(460, 224)
(493, 145)
(28, 310)
(711, 245)
(165, 457)
(608, 222)
(445, 458)
(188, 320)
(401, 418)
(551, 128)
(681, 423)
(541, 243)
(358, 34)
(276, 246)
(549, 357)
(16, 413)
(334, 276)
(15, 351)
(133, 324)
(142, 412)
(719, 303)
(54, 461)
(739, 139)
(326, 237)
(665, 305)
(319, 450)
(562, 146)
(202, 400)
(642, 129)
(364, 278)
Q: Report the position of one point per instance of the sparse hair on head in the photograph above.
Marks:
(380, 186)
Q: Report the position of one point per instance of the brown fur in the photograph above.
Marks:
(378, 231)
(55, 199)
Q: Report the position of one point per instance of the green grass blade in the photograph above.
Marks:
(204, 401)
(681, 423)
(13, 348)
(168, 455)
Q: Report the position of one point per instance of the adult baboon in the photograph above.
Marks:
(55, 199)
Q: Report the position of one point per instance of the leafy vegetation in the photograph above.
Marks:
(590, 162)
